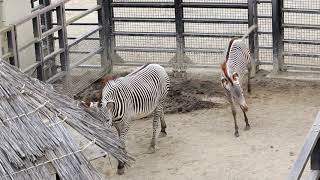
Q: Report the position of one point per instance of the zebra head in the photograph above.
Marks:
(103, 108)
(233, 86)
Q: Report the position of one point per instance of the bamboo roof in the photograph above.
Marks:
(33, 135)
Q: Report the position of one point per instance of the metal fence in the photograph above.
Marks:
(52, 54)
(309, 150)
(296, 35)
(86, 41)
(179, 33)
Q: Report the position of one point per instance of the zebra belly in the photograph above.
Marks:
(140, 115)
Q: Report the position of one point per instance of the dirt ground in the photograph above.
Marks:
(200, 144)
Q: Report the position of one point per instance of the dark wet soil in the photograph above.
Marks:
(185, 94)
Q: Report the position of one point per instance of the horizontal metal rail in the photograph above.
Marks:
(73, 38)
(223, 35)
(169, 50)
(144, 4)
(31, 67)
(45, 59)
(215, 20)
(264, 16)
(168, 64)
(145, 49)
(160, 34)
(264, 32)
(37, 12)
(301, 26)
(51, 31)
(204, 50)
(84, 13)
(56, 77)
(215, 5)
(80, 24)
(84, 36)
(74, 65)
(300, 54)
(130, 19)
(7, 55)
(53, 54)
(76, 9)
(265, 47)
(300, 67)
(264, 2)
(34, 40)
(298, 41)
(304, 11)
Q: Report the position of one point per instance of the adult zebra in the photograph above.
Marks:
(135, 96)
(235, 69)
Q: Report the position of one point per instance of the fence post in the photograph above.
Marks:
(277, 35)
(47, 22)
(38, 46)
(111, 41)
(63, 44)
(12, 46)
(315, 157)
(253, 37)
(103, 34)
(179, 64)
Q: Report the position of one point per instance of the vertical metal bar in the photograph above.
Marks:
(49, 40)
(13, 46)
(256, 35)
(102, 21)
(63, 44)
(277, 35)
(252, 45)
(180, 54)
(38, 47)
(111, 43)
(62, 37)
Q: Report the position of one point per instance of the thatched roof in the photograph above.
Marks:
(32, 132)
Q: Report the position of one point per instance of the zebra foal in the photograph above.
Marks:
(235, 70)
(137, 95)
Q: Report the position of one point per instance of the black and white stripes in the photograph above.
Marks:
(135, 96)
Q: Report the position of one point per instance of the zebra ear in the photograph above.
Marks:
(235, 76)
(110, 106)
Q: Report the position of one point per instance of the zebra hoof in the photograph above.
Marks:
(162, 134)
(120, 171)
(247, 128)
(236, 134)
(151, 150)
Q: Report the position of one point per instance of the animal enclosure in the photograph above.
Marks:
(77, 42)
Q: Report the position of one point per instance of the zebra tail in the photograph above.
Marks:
(249, 31)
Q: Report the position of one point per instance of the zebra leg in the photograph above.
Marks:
(122, 129)
(234, 113)
(163, 132)
(249, 75)
(155, 124)
(246, 120)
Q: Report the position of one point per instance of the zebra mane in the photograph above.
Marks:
(229, 47)
(107, 78)
(224, 70)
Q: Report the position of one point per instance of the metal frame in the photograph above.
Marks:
(277, 35)
(310, 149)
(180, 60)
(44, 36)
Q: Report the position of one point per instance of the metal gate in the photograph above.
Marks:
(179, 33)
(81, 58)
(296, 35)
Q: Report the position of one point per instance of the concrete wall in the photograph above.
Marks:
(12, 11)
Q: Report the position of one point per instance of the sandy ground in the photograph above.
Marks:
(201, 145)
